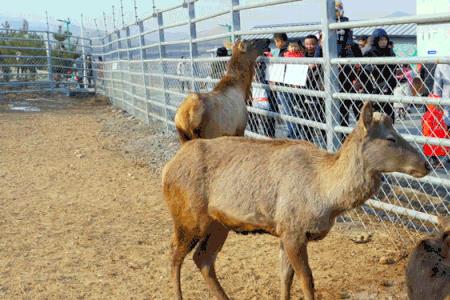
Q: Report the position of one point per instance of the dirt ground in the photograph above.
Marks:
(82, 217)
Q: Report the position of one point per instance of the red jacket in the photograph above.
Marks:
(293, 54)
(433, 125)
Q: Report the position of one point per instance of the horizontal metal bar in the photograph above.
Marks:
(292, 90)
(287, 29)
(22, 48)
(21, 39)
(24, 65)
(427, 179)
(419, 139)
(175, 42)
(215, 15)
(14, 74)
(292, 60)
(402, 211)
(40, 31)
(418, 19)
(150, 31)
(23, 56)
(34, 91)
(409, 137)
(290, 119)
(262, 4)
(256, 135)
(212, 37)
(391, 98)
(391, 60)
(150, 46)
(174, 25)
(26, 83)
(176, 60)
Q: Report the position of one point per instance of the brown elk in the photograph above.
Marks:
(428, 269)
(289, 189)
(223, 111)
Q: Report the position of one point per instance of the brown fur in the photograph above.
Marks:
(428, 269)
(222, 111)
(289, 189)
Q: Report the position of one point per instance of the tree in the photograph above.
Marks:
(25, 26)
(6, 26)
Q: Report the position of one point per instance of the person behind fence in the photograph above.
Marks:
(218, 68)
(79, 70)
(312, 107)
(181, 70)
(433, 126)
(380, 78)
(263, 98)
(19, 68)
(362, 41)
(441, 87)
(294, 50)
(426, 72)
(285, 100)
(100, 68)
(90, 71)
(349, 75)
(407, 86)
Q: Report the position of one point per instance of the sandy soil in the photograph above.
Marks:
(82, 217)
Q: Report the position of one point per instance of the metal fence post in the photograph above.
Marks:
(162, 54)
(94, 77)
(113, 86)
(83, 52)
(144, 82)
(119, 58)
(49, 57)
(235, 19)
(193, 49)
(127, 32)
(329, 47)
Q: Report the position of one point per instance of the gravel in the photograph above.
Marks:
(145, 144)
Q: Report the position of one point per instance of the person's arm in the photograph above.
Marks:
(392, 81)
(438, 81)
(364, 75)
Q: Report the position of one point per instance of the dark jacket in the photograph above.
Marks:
(379, 79)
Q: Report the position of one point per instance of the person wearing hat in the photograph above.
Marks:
(218, 68)
(380, 79)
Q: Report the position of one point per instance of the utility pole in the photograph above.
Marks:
(67, 22)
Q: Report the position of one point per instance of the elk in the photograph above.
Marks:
(223, 111)
(289, 189)
(428, 268)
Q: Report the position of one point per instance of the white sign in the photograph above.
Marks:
(432, 40)
(296, 74)
(275, 72)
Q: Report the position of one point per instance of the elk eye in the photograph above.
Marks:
(391, 139)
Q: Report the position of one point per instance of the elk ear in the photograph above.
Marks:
(242, 46)
(365, 119)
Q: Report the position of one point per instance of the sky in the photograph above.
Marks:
(305, 11)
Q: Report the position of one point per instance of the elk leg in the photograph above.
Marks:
(205, 257)
(182, 243)
(287, 274)
(298, 257)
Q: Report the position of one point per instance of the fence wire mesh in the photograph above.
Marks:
(32, 61)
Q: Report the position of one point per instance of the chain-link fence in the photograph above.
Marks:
(37, 61)
(147, 68)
